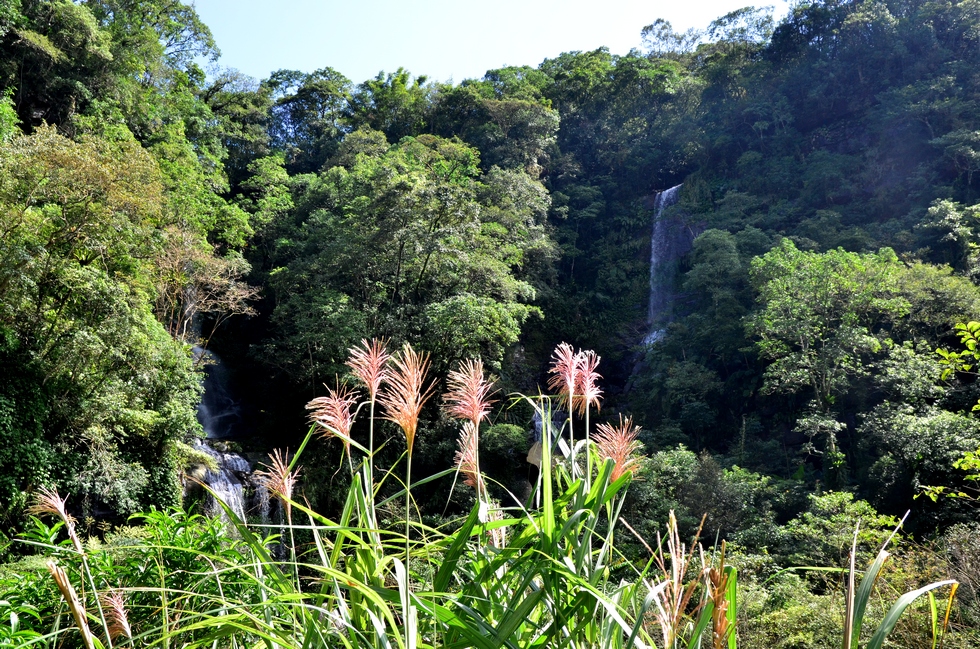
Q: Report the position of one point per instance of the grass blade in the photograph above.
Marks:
(455, 551)
(895, 612)
(732, 611)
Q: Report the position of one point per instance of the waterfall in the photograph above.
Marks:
(220, 416)
(219, 412)
(227, 481)
(670, 239)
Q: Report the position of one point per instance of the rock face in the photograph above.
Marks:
(671, 238)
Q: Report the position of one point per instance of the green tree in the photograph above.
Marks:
(824, 319)
(112, 392)
(308, 117)
(393, 103)
(407, 242)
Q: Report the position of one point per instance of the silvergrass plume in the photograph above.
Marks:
(564, 372)
(407, 392)
(370, 364)
(619, 443)
(114, 604)
(74, 605)
(717, 588)
(333, 413)
(278, 479)
(587, 389)
(47, 501)
(563, 380)
(469, 392)
(672, 595)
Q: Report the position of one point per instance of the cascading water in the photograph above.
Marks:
(661, 247)
(558, 419)
(670, 240)
(219, 414)
(225, 481)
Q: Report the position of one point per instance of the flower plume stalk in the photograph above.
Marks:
(563, 380)
(468, 456)
(333, 413)
(407, 391)
(564, 373)
(278, 479)
(403, 401)
(591, 395)
(47, 501)
(281, 482)
(369, 363)
(587, 389)
(620, 444)
(469, 392)
(672, 594)
(716, 584)
(74, 605)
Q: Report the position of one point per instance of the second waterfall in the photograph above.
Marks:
(670, 239)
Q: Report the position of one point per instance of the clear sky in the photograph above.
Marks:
(444, 39)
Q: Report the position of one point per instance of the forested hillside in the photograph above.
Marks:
(808, 373)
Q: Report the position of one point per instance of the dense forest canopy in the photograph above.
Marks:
(830, 170)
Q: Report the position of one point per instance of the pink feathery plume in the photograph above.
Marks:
(467, 455)
(277, 477)
(115, 606)
(587, 390)
(334, 412)
(370, 364)
(620, 444)
(407, 392)
(469, 392)
(47, 501)
(564, 372)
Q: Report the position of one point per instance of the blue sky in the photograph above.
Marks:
(443, 39)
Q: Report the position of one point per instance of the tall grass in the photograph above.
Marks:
(548, 576)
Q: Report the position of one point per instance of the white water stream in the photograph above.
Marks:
(219, 414)
(670, 239)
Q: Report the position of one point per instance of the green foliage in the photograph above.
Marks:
(395, 104)
(827, 319)
(732, 503)
(823, 534)
(916, 448)
(495, 218)
(496, 580)
(101, 390)
(307, 120)
(406, 241)
(25, 455)
(8, 119)
(819, 316)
